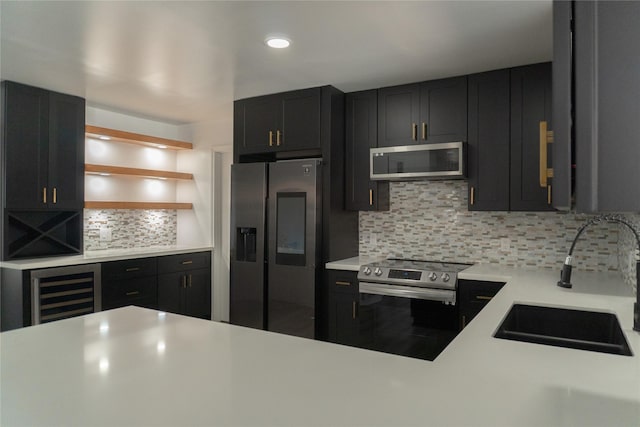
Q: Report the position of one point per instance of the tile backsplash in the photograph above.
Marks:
(129, 228)
(430, 220)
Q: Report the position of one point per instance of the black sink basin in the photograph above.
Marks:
(560, 327)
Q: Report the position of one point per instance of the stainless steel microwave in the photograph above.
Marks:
(426, 161)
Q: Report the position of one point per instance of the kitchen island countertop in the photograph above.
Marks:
(133, 366)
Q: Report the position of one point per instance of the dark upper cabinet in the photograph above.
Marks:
(44, 148)
(420, 113)
(288, 121)
(361, 115)
(607, 111)
(506, 108)
(530, 105)
(488, 145)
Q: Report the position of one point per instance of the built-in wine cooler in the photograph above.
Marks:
(59, 293)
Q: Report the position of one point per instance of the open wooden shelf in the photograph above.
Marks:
(137, 205)
(144, 173)
(136, 138)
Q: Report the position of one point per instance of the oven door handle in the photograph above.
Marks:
(430, 294)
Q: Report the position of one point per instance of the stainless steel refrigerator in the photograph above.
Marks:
(276, 229)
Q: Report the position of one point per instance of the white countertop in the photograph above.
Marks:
(351, 264)
(132, 366)
(103, 255)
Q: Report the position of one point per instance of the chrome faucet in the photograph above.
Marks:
(565, 275)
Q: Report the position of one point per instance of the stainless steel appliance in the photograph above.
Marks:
(445, 160)
(275, 245)
(407, 307)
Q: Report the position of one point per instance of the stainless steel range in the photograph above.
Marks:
(408, 307)
(425, 280)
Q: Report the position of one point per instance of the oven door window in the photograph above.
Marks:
(291, 226)
(406, 326)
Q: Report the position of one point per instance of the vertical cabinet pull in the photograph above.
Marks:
(183, 281)
(472, 197)
(270, 138)
(370, 197)
(424, 131)
(414, 131)
(44, 195)
(546, 137)
(548, 194)
(55, 195)
(464, 321)
(190, 281)
(353, 310)
(278, 134)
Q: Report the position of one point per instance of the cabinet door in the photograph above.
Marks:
(530, 105)
(26, 120)
(473, 296)
(443, 110)
(171, 287)
(300, 123)
(343, 319)
(607, 87)
(398, 115)
(140, 291)
(66, 151)
(362, 194)
(488, 147)
(258, 119)
(197, 301)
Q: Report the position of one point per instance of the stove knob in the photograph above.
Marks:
(377, 271)
(366, 271)
(433, 276)
(445, 277)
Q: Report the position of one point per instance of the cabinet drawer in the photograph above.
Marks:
(476, 291)
(129, 268)
(342, 281)
(141, 291)
(184, 262)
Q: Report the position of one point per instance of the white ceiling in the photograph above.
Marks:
(183, 61)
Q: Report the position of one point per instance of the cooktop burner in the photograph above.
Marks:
(406, 272)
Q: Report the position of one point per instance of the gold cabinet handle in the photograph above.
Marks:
(44, 195)
(353, 310)
(270, 138)
(343, 283)
(414, 131)
(187, 262)
(132, 293)
(483, 297)
(464, 321)
(546, 137)
(278, 135)
(472, 197)
(183, 281)
(370, 197)
(424, 131)
(548, 194)
(190, 281)
(132, 269)
(55, 195)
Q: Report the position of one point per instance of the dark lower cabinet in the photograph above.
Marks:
(361, 123)
(184, 284)
(473, 296)
(130, 282)
(343, 306)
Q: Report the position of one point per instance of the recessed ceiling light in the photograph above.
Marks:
(162, 146)
(277, 42)
(105, 174)
(104, 138)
